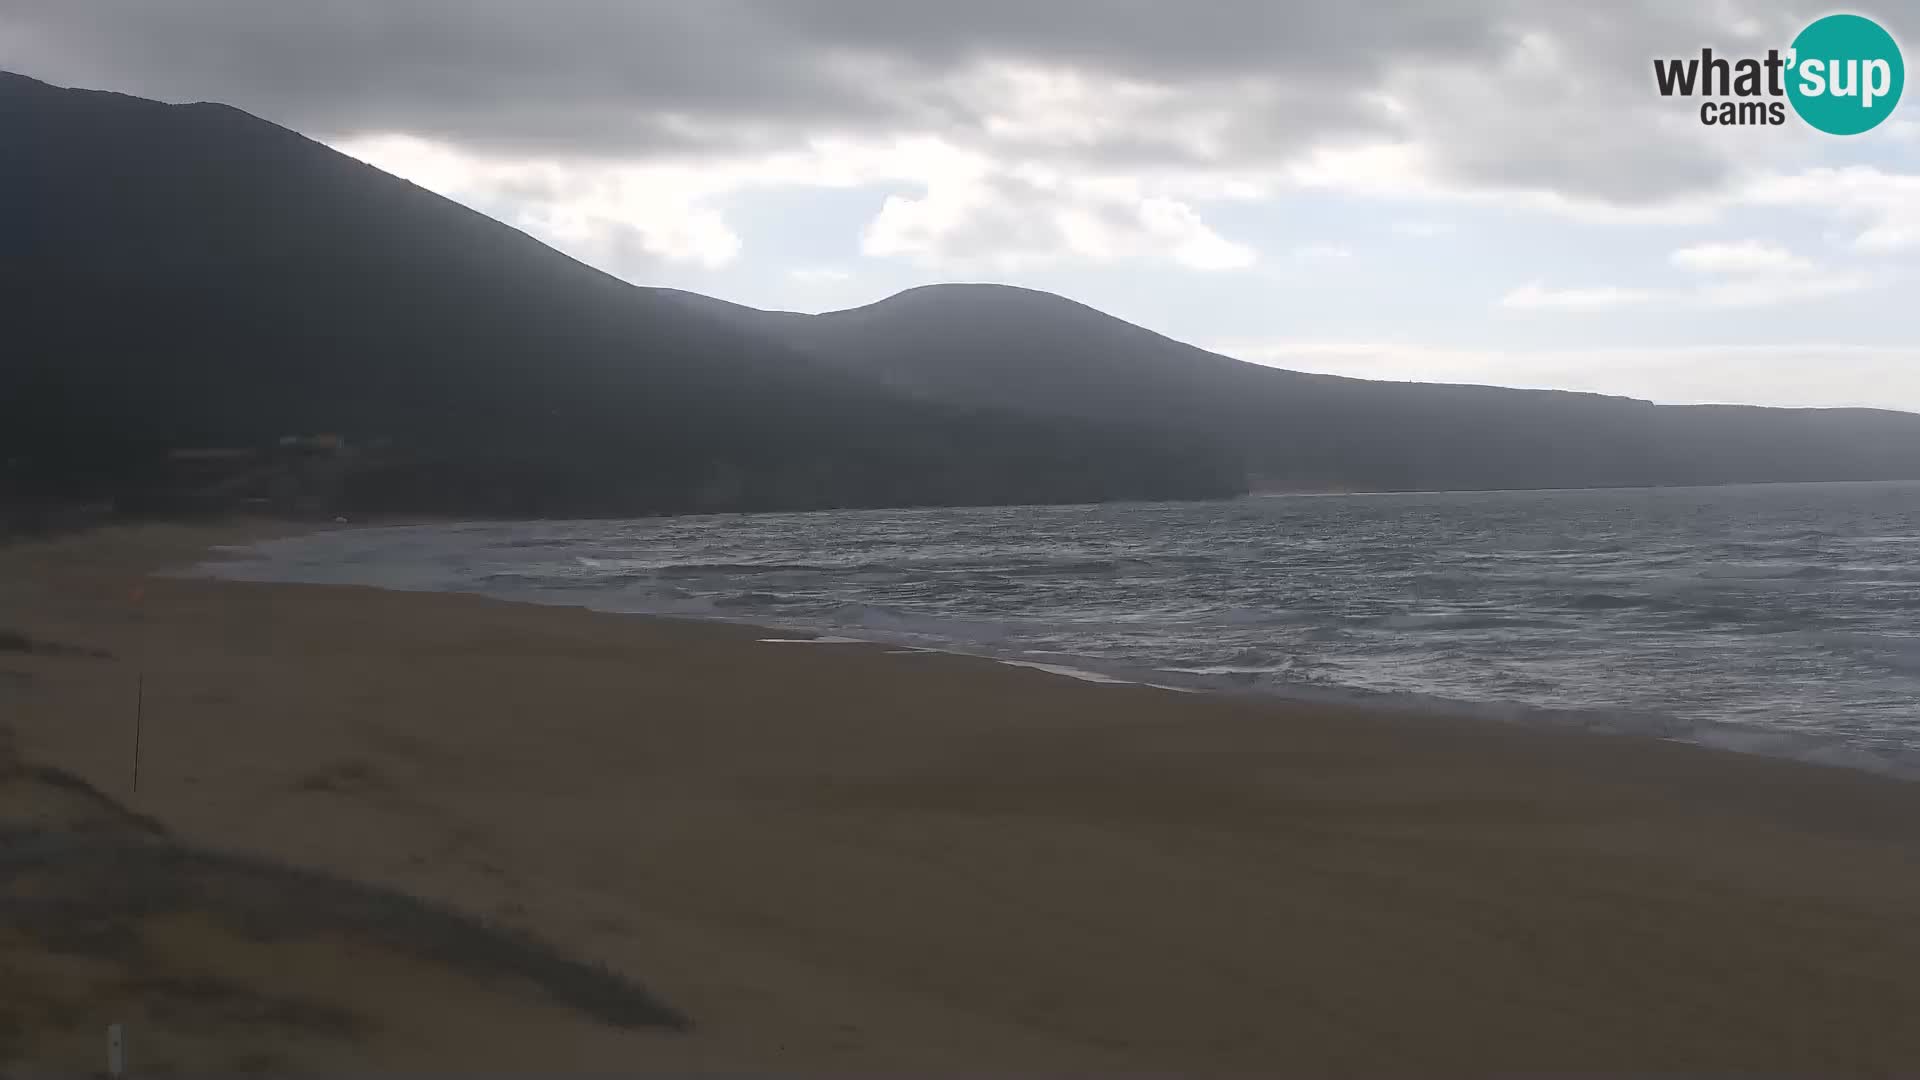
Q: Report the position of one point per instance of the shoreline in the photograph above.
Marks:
(833, 858)
(1820, 748)
(1392, 707)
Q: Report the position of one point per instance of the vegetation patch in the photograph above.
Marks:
(15, 641)
(85, 893)
(37, 799)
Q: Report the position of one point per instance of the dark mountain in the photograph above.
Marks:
(191, 276)
(194, 277)
(993, 345)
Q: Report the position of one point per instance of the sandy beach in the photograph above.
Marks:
(838, 857)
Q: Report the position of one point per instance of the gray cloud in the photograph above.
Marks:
(596, 76)
(1227, 84)
(1154, 39)
(576, 76)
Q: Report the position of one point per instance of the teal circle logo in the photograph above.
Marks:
(1846, 74)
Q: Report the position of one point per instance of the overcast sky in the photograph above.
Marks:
(1459, 190)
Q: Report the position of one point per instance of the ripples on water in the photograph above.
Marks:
(1775, 618)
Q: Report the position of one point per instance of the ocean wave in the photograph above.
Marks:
(1895, 653)
(1764, 572)
(753, 599)
(1598, 601)
(1739, 607)
(1457, 621)
(714, 569)
(1063, 566)
(973, 565)
(1081, 674)
(561, 543)
(1529, 543)
(510, 579)
(1240, 616)
(937, 627)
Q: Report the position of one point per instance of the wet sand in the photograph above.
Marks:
(838, 858)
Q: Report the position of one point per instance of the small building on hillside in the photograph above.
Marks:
(314, 444)
(213, 454)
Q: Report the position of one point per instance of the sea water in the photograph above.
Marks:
(1778, 619)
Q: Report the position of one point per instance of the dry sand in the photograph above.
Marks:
(832, 858)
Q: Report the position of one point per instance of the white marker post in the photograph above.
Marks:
(116, 1051)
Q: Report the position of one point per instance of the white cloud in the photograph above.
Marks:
(1032, 106)
(819, 275)
(1192, 242)
(1885, 206)
(1754, 273)
(1900, 233)
(1534, 296)
(1744, 257)
(1746, 273)
(610, 215)
(1028, 219)
(1409, 172)
(1767, 290)
(1322, 251)
(972, 211)
(1748, 290)
(1075, 164)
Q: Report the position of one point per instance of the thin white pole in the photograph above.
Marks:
(116, 1051)
(139, 715)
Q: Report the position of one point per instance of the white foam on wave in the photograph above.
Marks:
(827, 640)
(1070, 672)
(1083, 675)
